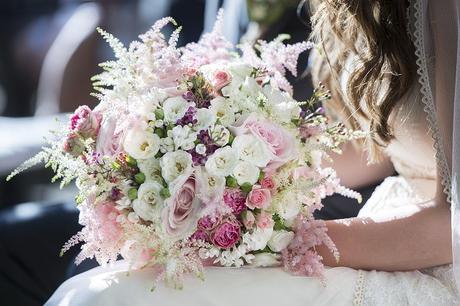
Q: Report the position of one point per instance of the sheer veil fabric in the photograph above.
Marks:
(437, 43)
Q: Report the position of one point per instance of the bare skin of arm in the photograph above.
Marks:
(405, 239)
(399, 241)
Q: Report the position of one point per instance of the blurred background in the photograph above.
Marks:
(49, 50)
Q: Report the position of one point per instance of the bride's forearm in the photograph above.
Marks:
(413, 240)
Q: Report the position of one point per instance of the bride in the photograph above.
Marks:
(392, 66)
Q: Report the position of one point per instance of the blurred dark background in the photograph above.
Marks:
(49, 49)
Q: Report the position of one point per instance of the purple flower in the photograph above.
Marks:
(189, 96)
(235, 199)
(115, 194)
(198, 159)
(189, 117)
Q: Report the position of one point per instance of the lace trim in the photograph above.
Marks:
(427, 97)
(358, 299)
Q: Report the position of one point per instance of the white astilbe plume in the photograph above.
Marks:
(277, 58)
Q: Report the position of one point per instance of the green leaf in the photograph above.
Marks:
(231, 182)
(160, 132)
(165, 193)
(131, 161)
(139, 178)
(246, 187)
(132, 194)
(261, 176)
(159, 114)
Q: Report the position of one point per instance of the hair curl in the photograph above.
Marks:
(375, 31)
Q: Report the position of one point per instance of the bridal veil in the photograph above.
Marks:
(437, 42)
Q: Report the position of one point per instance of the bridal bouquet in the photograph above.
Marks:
(199, 155)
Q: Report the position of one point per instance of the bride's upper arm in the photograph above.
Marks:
(354, 171)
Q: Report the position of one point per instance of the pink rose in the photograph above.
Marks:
(248, 219)
(209, 223)
(85, 122)
(137, 254)
(264, 220)
(109, 139)
(268, 183)
(235, 199)
(258, 198)
(200, 235)
(221, 79)
(227, 234)
(278, 140)
(181, 211)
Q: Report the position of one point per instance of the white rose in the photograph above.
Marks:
(175, 164)
(286, 111)
(141, 144)
(175, 108)
(151, 169)
(288, 210)
(149, 202)
(245, 172)
(250, 87)
(205, 119)
(223, 111)
(274, 95)
(280, 240)
(239, 70)
(259, 238)
(222, 162)
(183, 137)
(252, 149)
(266, 260)
(220, 135)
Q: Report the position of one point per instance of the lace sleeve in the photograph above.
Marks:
(437, 45)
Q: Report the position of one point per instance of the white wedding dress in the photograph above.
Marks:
(413, 156)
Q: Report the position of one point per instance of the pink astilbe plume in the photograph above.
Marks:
(159, 63)
(211, 48)
(101, 234)
(299, 257)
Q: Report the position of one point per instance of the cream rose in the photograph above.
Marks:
(149, 202)
(175, 164)
(141, 144)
